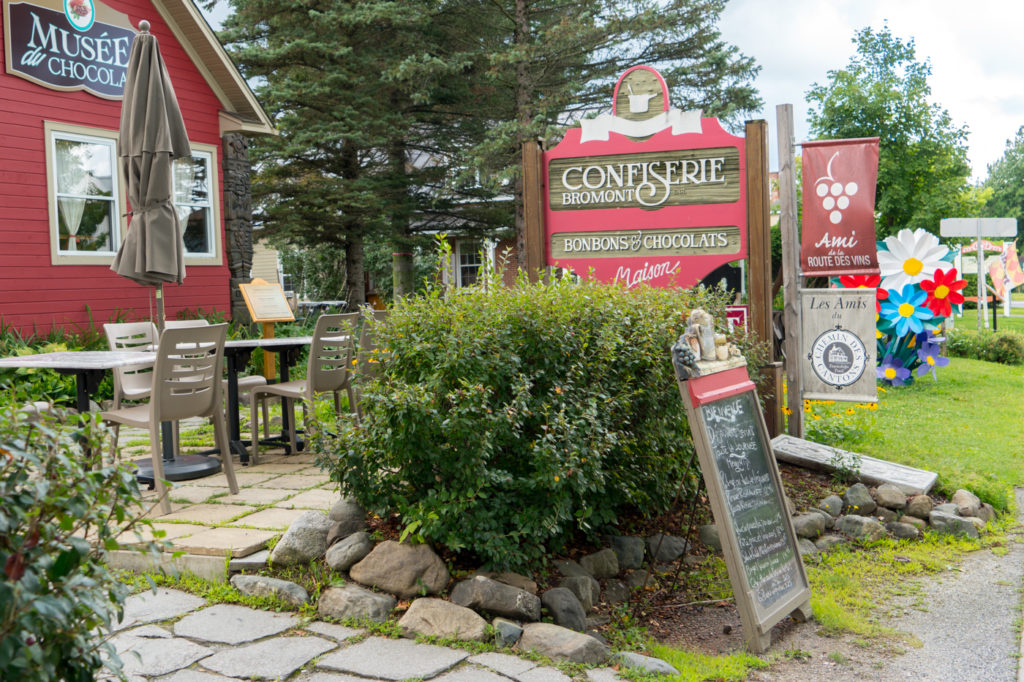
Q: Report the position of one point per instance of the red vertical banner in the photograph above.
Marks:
(838, 225)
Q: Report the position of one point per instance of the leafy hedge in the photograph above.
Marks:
(58, 519)
(1006, 347)
(503, 421)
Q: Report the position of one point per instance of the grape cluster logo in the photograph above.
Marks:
(834, 195)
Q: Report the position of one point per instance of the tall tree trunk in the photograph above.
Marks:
(524, 116)
(401, 246)
(355, 277)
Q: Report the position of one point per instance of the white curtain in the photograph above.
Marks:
(184, 175)
(74, 179)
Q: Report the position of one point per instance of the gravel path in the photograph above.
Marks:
(968, 631)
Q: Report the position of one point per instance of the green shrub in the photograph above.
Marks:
(55, 591)
(502, 421)
(1006, 347)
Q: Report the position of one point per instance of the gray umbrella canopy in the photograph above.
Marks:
(152, 135)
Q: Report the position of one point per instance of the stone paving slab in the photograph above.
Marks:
(272, 659)
(244, 479)
(141, 653)
(171, 531)
(278, 467)
(320, 676)
(296, 481)
(231, 624)
(317, 498)
(603, 675)
(271, 519)
(543, 675)
(195, 676)
(147, 607)
(336, 632)
(505, 664)
(196, 493)
(258, 496)
(209, 513)
(471, 673)
(241, 542)
(393, 659)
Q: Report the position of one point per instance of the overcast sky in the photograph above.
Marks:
(976, 51)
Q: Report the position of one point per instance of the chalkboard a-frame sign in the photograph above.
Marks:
(745, 489)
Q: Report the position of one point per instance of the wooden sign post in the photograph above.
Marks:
(267, 304)
(765, 569)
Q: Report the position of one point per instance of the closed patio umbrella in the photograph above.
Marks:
(152, 135)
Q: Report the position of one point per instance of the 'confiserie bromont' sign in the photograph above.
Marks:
(68, 45)
(648, 194)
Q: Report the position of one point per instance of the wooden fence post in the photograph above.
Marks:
(790, 268)
(533, 208)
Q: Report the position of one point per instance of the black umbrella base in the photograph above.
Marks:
(181, 468)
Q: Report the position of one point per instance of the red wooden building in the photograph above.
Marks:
(62, 199)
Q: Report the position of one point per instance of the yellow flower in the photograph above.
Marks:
(556, 479)
(787, 411)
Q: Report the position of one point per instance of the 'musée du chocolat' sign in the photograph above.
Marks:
(68, 45)
(648, 194)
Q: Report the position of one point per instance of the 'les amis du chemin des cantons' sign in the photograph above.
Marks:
(68, 45)
(648, 194)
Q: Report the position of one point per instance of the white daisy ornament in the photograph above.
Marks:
(911, 258)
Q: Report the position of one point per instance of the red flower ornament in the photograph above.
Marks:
(867, 282)
(943, 289)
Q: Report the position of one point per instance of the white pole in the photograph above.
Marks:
(982, 306)
(1006, 280)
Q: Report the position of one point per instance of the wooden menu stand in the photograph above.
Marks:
(267, 304)
(743, 483)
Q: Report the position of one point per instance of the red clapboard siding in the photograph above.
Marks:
(34, 294)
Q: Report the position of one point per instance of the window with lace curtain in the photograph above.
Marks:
(194, 201)
(85, 206)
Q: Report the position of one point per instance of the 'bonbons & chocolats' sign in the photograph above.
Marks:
(68, 45)
(648, 194)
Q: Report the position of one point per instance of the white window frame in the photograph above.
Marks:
(453, 274)
(214, 257)
(52, 131)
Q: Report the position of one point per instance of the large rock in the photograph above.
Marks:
(347, 517)
(809, 525)
(710, 536)
(806, 547)
(860, 527)
(987, 512)
(403, 570)
(344, 554)
(629, 550)
(263, 586)
(917, 523)
(352, 601)
(615, 592)
(858, 500)
(830, 521)
(967, 503)
(565, 608)
(569, 568)
(506, 632)
(919, 506)
(601, 564)
(903, 531)
(890, 496)
(944, 522)
(305, 540)
(440, 618)
(587, 590)
(665, 548)
(884, 514)
(562, 644)
(484, 594)
(833, 504)
(826, 542)
(510, 578)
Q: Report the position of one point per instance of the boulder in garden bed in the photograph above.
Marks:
(263, 586)
(344, 554)
(967, 503)
(483, 594)
(945, 522)
(305, 540)
(441, 618)
(601, 564)
(809, 525)
(565, 608)
(833, 504)
(352, 601)
(890, 496)
(629, 550)
(665, 548)
(860, 527)
(858, 500)
(919, 506)
(562, 644)
(403, 570)
(587, 590)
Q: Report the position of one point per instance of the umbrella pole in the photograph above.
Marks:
(160, 307)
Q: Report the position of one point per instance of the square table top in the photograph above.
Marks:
(80, 359)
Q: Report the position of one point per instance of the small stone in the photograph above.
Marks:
(665, 548)
(262, 586)
(809, 525)
(347, 510)
(709, 536)
(947, 508)
(484, 594)
(978, 523)
(858, 500)
(569, 568)
(628, 659)
(890, 496)
(441, 618)
(902, 531)
(601, 564)
(345, 553)
(565, 608)
(352, 601)
(628, 550)
(806, 547)
(917, 523)
(945, 522)
(967, 503)
(885, 515)
(919, 506)
(305, 540)
(403, 570)
(635, 579)
(860, 527)
(562, 644)
(506, 632)
(833, 504)
(830, 522)
(594, 622)
(587, 590)
(826, 542)
(987, 512)
(615, 592)
(510, 578)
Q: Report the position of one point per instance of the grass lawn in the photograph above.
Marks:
(968, 427)
(969, 321)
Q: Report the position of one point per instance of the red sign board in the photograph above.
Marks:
(647, 195)
(838, 231)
